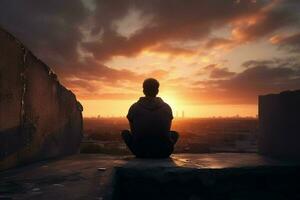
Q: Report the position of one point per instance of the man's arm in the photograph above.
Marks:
(170, 113)
(169, 124)
(130, 116)
(131, 126)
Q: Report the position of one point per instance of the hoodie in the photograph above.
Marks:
(147, 107)
(150, 123)
(151, 103)
(150, 115)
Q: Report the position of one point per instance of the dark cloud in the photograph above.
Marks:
(251, 63)
(291, 62)
(79, 85)
(265, 22)
(172, 49)
(215, 71)
(261, 77)
(194, 21)
(171, 20)
(219, 43)
(290, 43)
(210, 67)
(49, 28)
(219, 73)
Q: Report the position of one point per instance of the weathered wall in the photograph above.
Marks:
(39, 118)
(279, 124)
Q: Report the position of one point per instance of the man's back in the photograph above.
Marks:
(150, 122)
(150, 116)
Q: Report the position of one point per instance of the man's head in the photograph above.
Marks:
(150, 87)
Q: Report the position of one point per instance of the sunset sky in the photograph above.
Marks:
(212, 57)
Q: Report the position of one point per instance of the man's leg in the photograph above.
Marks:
(174, 136)
(127, 137)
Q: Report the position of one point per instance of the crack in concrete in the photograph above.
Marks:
(23, 79)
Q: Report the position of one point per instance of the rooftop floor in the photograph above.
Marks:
(89, 176)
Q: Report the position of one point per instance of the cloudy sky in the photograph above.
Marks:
(212, 57)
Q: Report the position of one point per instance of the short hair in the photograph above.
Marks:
(150, 87)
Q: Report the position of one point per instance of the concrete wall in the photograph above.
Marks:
(39, 118)
(279, 124)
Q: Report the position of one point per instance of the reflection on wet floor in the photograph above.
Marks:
(224, 160)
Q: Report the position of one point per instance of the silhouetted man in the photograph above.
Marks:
(150, 122)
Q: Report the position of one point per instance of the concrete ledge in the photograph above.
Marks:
(187, 183)
(207, 176)
(184, 176)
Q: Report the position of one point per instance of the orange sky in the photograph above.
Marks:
(212, 57)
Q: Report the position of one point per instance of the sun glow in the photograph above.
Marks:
(171, 100)
(119, 108)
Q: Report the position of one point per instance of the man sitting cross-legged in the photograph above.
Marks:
(150, 122)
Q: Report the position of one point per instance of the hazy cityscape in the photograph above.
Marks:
(197, 135)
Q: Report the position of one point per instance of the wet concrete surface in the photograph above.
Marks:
(90, 176)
